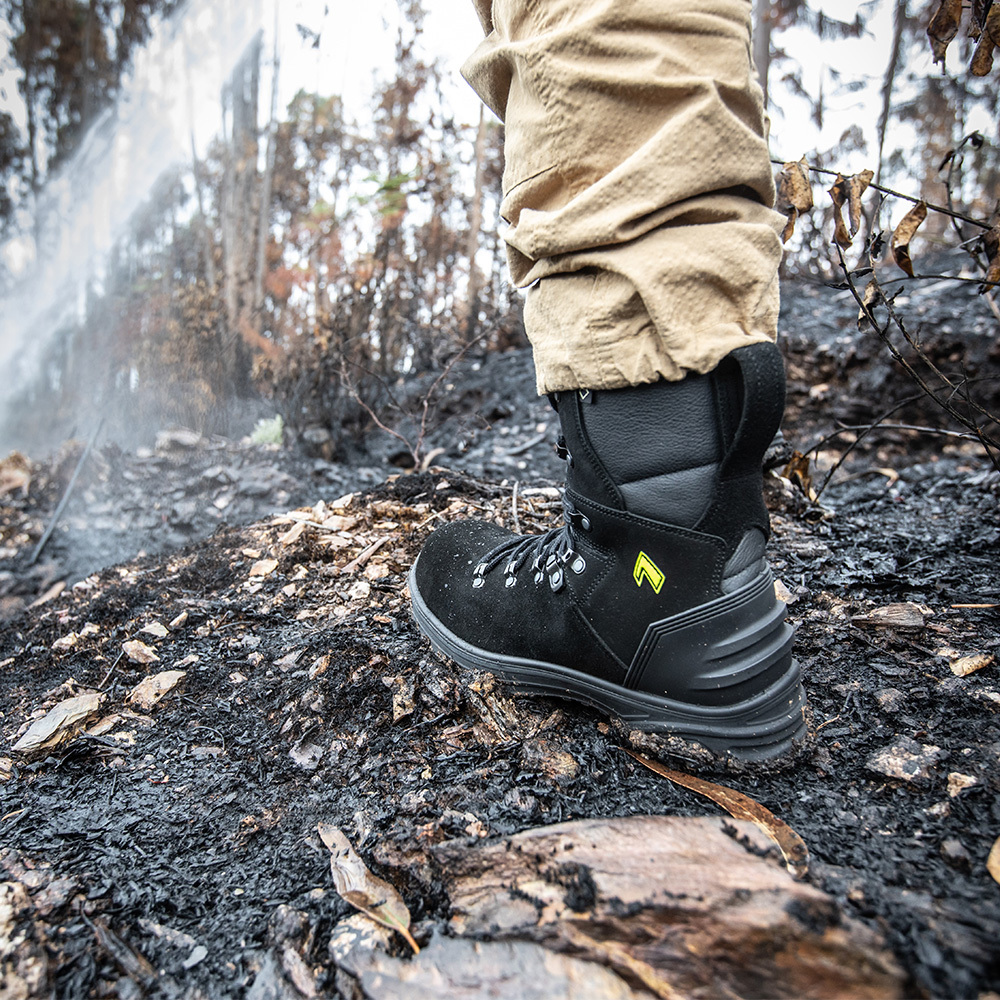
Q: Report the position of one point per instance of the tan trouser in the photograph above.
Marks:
(637, 183)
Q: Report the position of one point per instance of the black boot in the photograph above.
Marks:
(654, 600)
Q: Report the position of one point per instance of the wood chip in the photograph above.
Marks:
(792, 846)
(264, 567)
(138, 652)
(60, 724)
(157, 629)
(155, 688)
(993, 860)
(905, 760)
(907, 615)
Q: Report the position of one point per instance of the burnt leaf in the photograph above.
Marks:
(944, 26)
(982, 58)
(869, 300)
(903, 233)
(794, 194)
(366, 892)
(792, 846)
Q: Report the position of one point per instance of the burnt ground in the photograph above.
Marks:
(166, 851)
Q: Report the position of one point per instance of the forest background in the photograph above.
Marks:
(307, 257)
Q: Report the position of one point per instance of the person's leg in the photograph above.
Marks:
(637, 184)
(638, 189)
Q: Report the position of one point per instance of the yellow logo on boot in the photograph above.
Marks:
(646, 569)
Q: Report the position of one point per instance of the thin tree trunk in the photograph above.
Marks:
(264, 213)
(471, 309)
(889, 80)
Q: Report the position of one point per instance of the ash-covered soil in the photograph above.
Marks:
(171, 849)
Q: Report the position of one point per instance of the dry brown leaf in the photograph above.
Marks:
(794, 194)
(157, 629)
(366, 892)
(966, 665)
(264, 567)
(903, 233)
(991, 243)
(792, 846)
(59, 724)
(154, 688)
(993, 861)
(982, 58)
(138, 652)
(944, 26)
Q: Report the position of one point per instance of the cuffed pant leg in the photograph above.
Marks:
(637, 183)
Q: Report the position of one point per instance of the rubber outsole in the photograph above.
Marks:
(760, 728)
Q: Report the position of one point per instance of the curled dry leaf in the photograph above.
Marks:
(794, 194)
(366, 892)
(138, 652)
(869, 300)
(903, 233)
(993, 861)
(839, 195)
(991, 244)
(966, 665)
(792, 846)
(944, 26)
(797, 471)
(60, 724)
(152, 689)
(848, 191)
(989, 39)
(978, 20)
(857, 184)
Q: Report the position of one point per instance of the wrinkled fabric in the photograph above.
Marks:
(637, 183)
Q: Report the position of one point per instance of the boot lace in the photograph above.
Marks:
(550, 554)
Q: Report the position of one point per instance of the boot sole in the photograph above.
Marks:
(762, 727)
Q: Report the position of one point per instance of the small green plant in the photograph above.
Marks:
(268, 431)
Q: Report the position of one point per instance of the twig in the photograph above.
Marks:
(866, 311)
(513, 507)
(528, 445)
(43, 541)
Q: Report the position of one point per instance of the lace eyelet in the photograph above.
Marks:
(556, 580)
(510, 581)
(578, 565)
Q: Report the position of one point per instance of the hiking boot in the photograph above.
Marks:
(653, 601)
